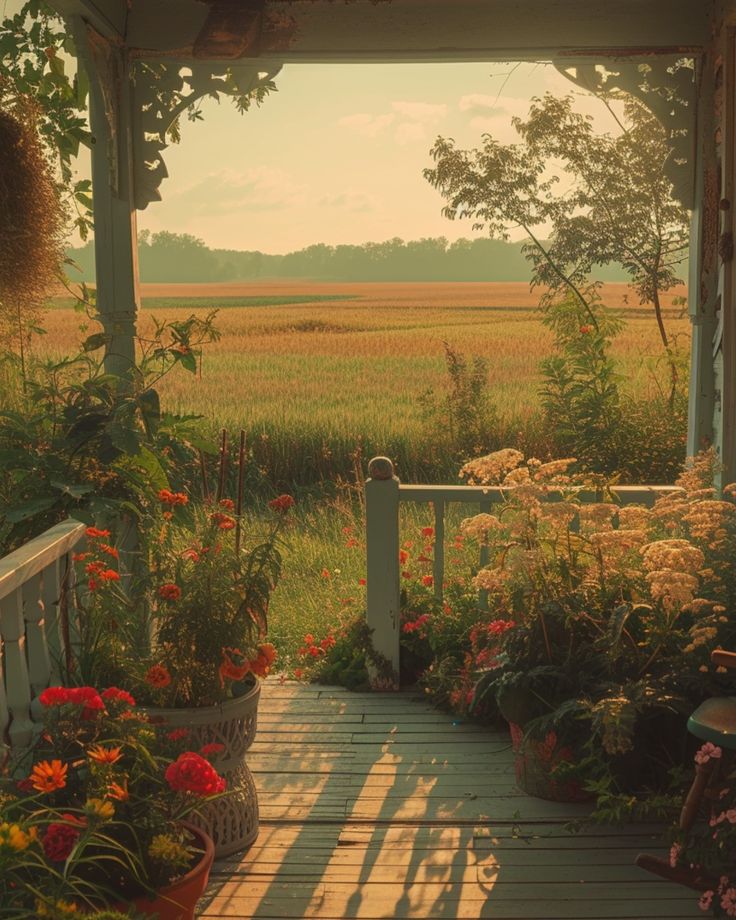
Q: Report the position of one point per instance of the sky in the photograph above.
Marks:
(336, 155)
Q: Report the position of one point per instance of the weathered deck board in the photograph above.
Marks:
(376, 807)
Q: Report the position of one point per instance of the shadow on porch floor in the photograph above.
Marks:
(378, 806)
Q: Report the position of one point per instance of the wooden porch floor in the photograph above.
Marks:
(378, 806)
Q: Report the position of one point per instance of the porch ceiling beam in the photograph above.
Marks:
(404, 30)
(108, 17)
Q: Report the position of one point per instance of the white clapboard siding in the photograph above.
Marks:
(33, 641)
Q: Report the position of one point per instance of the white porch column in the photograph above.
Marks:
(116, 248)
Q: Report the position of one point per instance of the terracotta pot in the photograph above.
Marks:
(178, 900)
(534, 764)
(232, 821)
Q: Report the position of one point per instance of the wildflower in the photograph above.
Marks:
(192, 773)
(223, 521)
(166, 497)
(676, 555)
(403, 556)
(490, 580)
(54, 696)
(555, 470)
(103, 755)
(282, 503)
(169, 592)
(490, 469)
(675, 851)
(60, 839)
(118, 791)
(480, 526)
(227, 503)
(47, 776)
(325, 573)
(706, 899)
(115, 693)
(596, 515)
(110, 550)
(95, 534)
(427, 531)
(164, 848)
(99, 808)
(158, 676)
(634, 517)
(13, 837)
(352, 543)
(707, 752)
(327, 643)
(427, 581)
(585, 329)
(728, 902)
(362, 581)
(499, 627)
(58, 907)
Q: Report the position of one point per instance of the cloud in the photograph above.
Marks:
(348, 200)
(365, 124)
(475, 102)
(424, 112)
(261, 188)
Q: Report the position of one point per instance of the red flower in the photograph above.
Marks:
(282, 503)
(177, 734)
(326, 573)
(169, 592)
(352, 542)
(232, 669)
(158, 676)
(54, 696)
(585, 329)
(60, 839)
(427, 581)
(427, 531)
(214, 747)
(192, 773)
(223, 521)
(362, 581)
(94, 534)
(227, 503)
(115, 693)
(403, 556)
(327, 643)
(166, 497)
(110, 550)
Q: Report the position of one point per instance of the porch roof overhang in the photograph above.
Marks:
(400, 30)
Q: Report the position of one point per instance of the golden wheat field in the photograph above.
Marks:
(322, 363)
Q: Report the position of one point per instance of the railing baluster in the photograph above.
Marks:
(17, 683)
(438, 571)
(51, 597)
(485, 507)
(39, 665)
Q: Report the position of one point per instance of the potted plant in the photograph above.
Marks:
(185, 632)
(97, 821)
(601, 621)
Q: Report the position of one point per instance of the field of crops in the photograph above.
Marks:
(315, 369)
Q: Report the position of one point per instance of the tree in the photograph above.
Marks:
(616, 204)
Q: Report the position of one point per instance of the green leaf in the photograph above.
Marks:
(95, 341)
(30, 509)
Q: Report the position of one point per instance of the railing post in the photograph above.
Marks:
(382, 559)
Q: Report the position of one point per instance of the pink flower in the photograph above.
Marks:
(706, 899)
(675, 851)
(728, 902)
(706, 752)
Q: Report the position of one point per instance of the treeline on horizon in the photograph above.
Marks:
(181, 257)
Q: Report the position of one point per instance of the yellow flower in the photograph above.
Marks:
(99, 808)
(167, 849)
(56, 909)
(14, 837)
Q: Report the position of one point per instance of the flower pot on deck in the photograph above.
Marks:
(178, 900)
(231, 821)
(534, 766)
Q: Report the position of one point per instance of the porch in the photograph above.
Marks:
(376, 806)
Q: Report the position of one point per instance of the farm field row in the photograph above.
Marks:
(349, 366)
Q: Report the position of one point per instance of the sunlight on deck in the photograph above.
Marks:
(378, 806)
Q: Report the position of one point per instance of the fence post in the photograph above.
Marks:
(382, 558)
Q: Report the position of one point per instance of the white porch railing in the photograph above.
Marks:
(35, 630)
(383, 495)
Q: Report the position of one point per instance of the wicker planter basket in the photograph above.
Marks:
(232, 821)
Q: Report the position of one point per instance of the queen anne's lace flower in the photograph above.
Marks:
(491, 469)
(480, 526)
(676, 555)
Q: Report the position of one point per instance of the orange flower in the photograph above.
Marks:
(269, 652)
(48, 776)
(104, 755)
(118, 791)
(94, 533)
(230, 669)
(158, 676)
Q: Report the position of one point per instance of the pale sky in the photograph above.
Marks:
(336, 155)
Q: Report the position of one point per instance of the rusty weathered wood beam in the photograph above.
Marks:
(232, 30)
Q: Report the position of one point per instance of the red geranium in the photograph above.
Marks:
(282, 503)
(169, 592)
(115, 693)
(192, 773)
